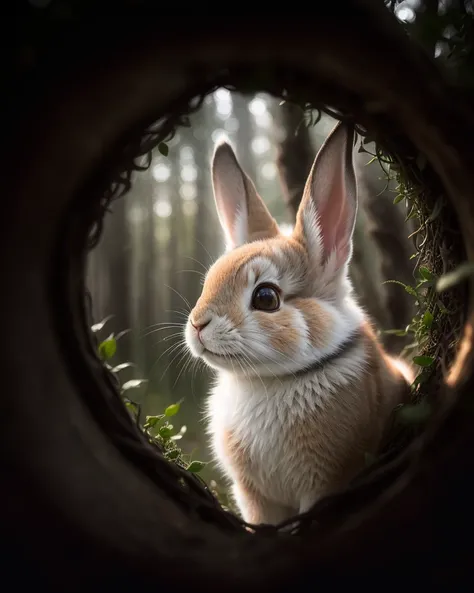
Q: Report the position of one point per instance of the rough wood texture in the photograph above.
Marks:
(85, 501)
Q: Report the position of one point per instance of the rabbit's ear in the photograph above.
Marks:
(328, 209)
(242, 212)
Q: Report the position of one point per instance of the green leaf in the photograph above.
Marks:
(396, 332)
(426, 274)
(133, 384)
(398, 198)
(163, 148)
(174, 454)
(196, 466)
(427, 319)
(166, 431)
(108, 348)
(132, 407)
(98, 326)
(461, 273)
(172, 410)
(414, 414)
(423, 361)
(151, 421)
(407, 287)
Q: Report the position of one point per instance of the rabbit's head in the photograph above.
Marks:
(274, 304)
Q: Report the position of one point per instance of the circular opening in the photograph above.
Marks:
(147, 274)
(89, 433)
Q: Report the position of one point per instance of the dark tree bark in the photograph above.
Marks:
(295, 155)
(86, 499)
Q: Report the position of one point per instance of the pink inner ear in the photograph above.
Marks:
(336, 223)
(331, 217)
(331, 189)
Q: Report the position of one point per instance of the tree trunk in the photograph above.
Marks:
(295, 155)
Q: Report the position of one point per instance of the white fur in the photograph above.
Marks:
(249, 347)
(257, 398)
(262, 413)
(239, 236)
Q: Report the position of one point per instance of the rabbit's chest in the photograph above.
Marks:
(276, 442)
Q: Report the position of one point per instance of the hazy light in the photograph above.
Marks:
(161, 172)
(279, 133)
(264, 120)
(223, 95)
(201, 133)
(189, 173)
(136, 214)
(162, 209)
(223, 110)
(286, 229)
(231, 125)
(269, 171)
(190, 208)
(218, 135)
(188, 191)
(405, 14)
(186, 153)
(257, 106)
(260, 144)
(162, 233)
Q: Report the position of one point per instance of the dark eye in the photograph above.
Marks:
(266, 298)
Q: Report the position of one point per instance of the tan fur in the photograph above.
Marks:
(283, 336)
(225, 278)
(223, 281)
(261, 223)
(295, 409)
(333, 441)
(317, 319)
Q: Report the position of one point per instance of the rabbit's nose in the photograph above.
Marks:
(199, 327)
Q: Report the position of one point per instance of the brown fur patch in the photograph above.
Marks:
(317, 319)
(239, 460)
(235, 451)
(226, 280)
(261, 224)
(280, 330)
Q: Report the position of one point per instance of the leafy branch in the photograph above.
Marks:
(158, 429)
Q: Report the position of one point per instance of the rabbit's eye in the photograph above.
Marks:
(266, 298)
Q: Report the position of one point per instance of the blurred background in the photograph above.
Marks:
(161, 238)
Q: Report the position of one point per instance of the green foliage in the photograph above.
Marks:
(429, 308)
(163, 148)
(108, 347)
(158, 430)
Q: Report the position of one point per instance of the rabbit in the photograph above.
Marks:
(303, 388)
